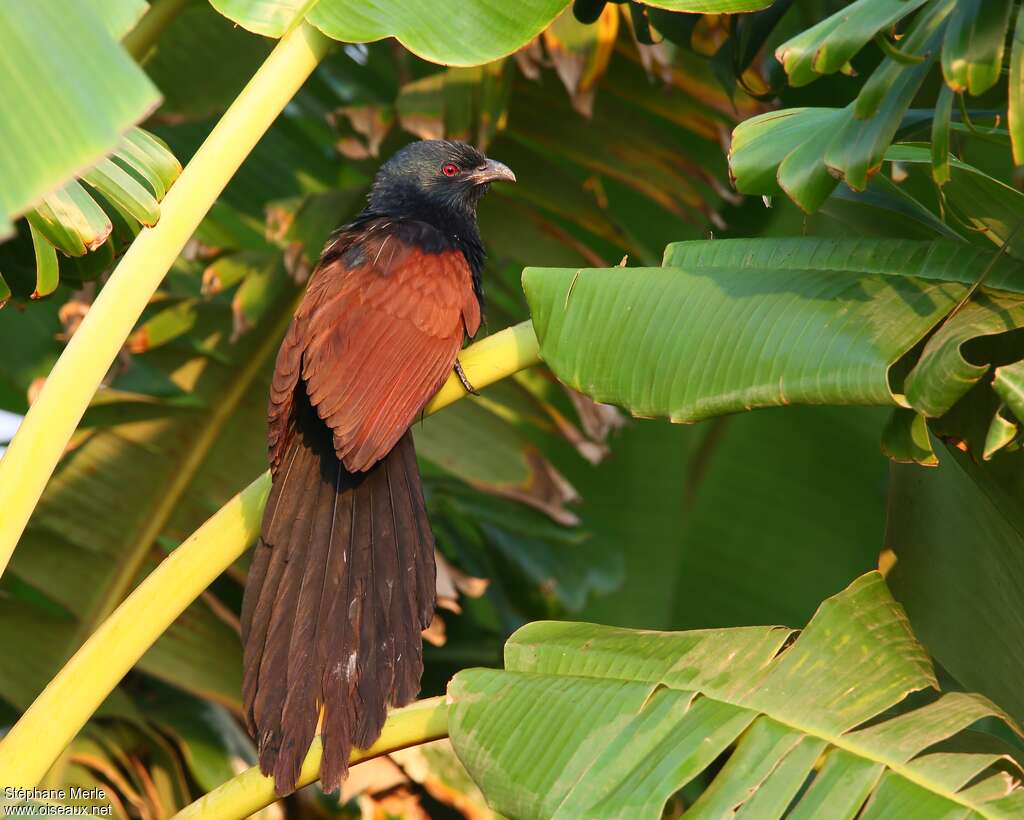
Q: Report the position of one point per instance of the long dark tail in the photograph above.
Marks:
(341, 585)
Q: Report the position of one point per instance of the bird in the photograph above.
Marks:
(342, 579)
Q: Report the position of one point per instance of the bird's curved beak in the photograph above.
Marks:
(492, 171)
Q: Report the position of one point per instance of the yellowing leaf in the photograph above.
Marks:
(580, 53)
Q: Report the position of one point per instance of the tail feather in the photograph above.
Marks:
(426, 569)
(341, 585)
(265, 578)
(301, 705)
(274, 684)
(404, 613)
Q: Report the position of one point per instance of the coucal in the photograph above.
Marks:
(342, 580)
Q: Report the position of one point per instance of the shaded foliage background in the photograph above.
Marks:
(545, 505)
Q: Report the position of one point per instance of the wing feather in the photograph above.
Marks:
(382, 326)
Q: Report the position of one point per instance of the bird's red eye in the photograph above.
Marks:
(449, 169)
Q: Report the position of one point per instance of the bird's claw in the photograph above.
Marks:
(465, 382)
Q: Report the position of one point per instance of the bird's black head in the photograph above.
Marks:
(437, 181)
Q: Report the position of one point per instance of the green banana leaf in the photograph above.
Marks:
(856, 151)
(989, 207)
(709, 6)
(119, 16)
(972, 54)
(449, 32)
(830, 44)
(52, 128)
(959, 558)
(455, 33)
(76, 231)
(596, 721)
(731, 325)
(1015, 93)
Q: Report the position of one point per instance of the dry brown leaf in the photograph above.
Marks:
(296, 263)
(110, 772)
(424, 126)
(437, 769)
(240, 325)
(580, 53)
(138, 341)
(153, 806)
(598, 419)
(278, 221)
(710, 32)
(530, 59)
(73, 311)
(595, 186)
(436, 634)
(886, 561)
(452, 581)
(352, 148)
(211, 283)
(197, 251)
(35, 388)
(548, 490)
(656, 59)
(375, 776)
(370, 124)
(401, 803)
(593, 451)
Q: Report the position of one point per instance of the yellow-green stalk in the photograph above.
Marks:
(247, 793)
(33, 454)
(70, 699)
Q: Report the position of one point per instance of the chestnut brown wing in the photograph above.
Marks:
(374, 339)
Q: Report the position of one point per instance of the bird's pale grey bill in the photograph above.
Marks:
(492, 171)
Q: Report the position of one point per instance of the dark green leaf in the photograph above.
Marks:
(47, 268)
(856, 151)
(956, 532)
(760, 145)
(829, 45)
(906, 439)
(993, 208)
(202, 61)
(885, 209)
(940, 136)
(487, 452)
(1009, 384)
(972, 54)
(1016, 90)
(943, 375)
